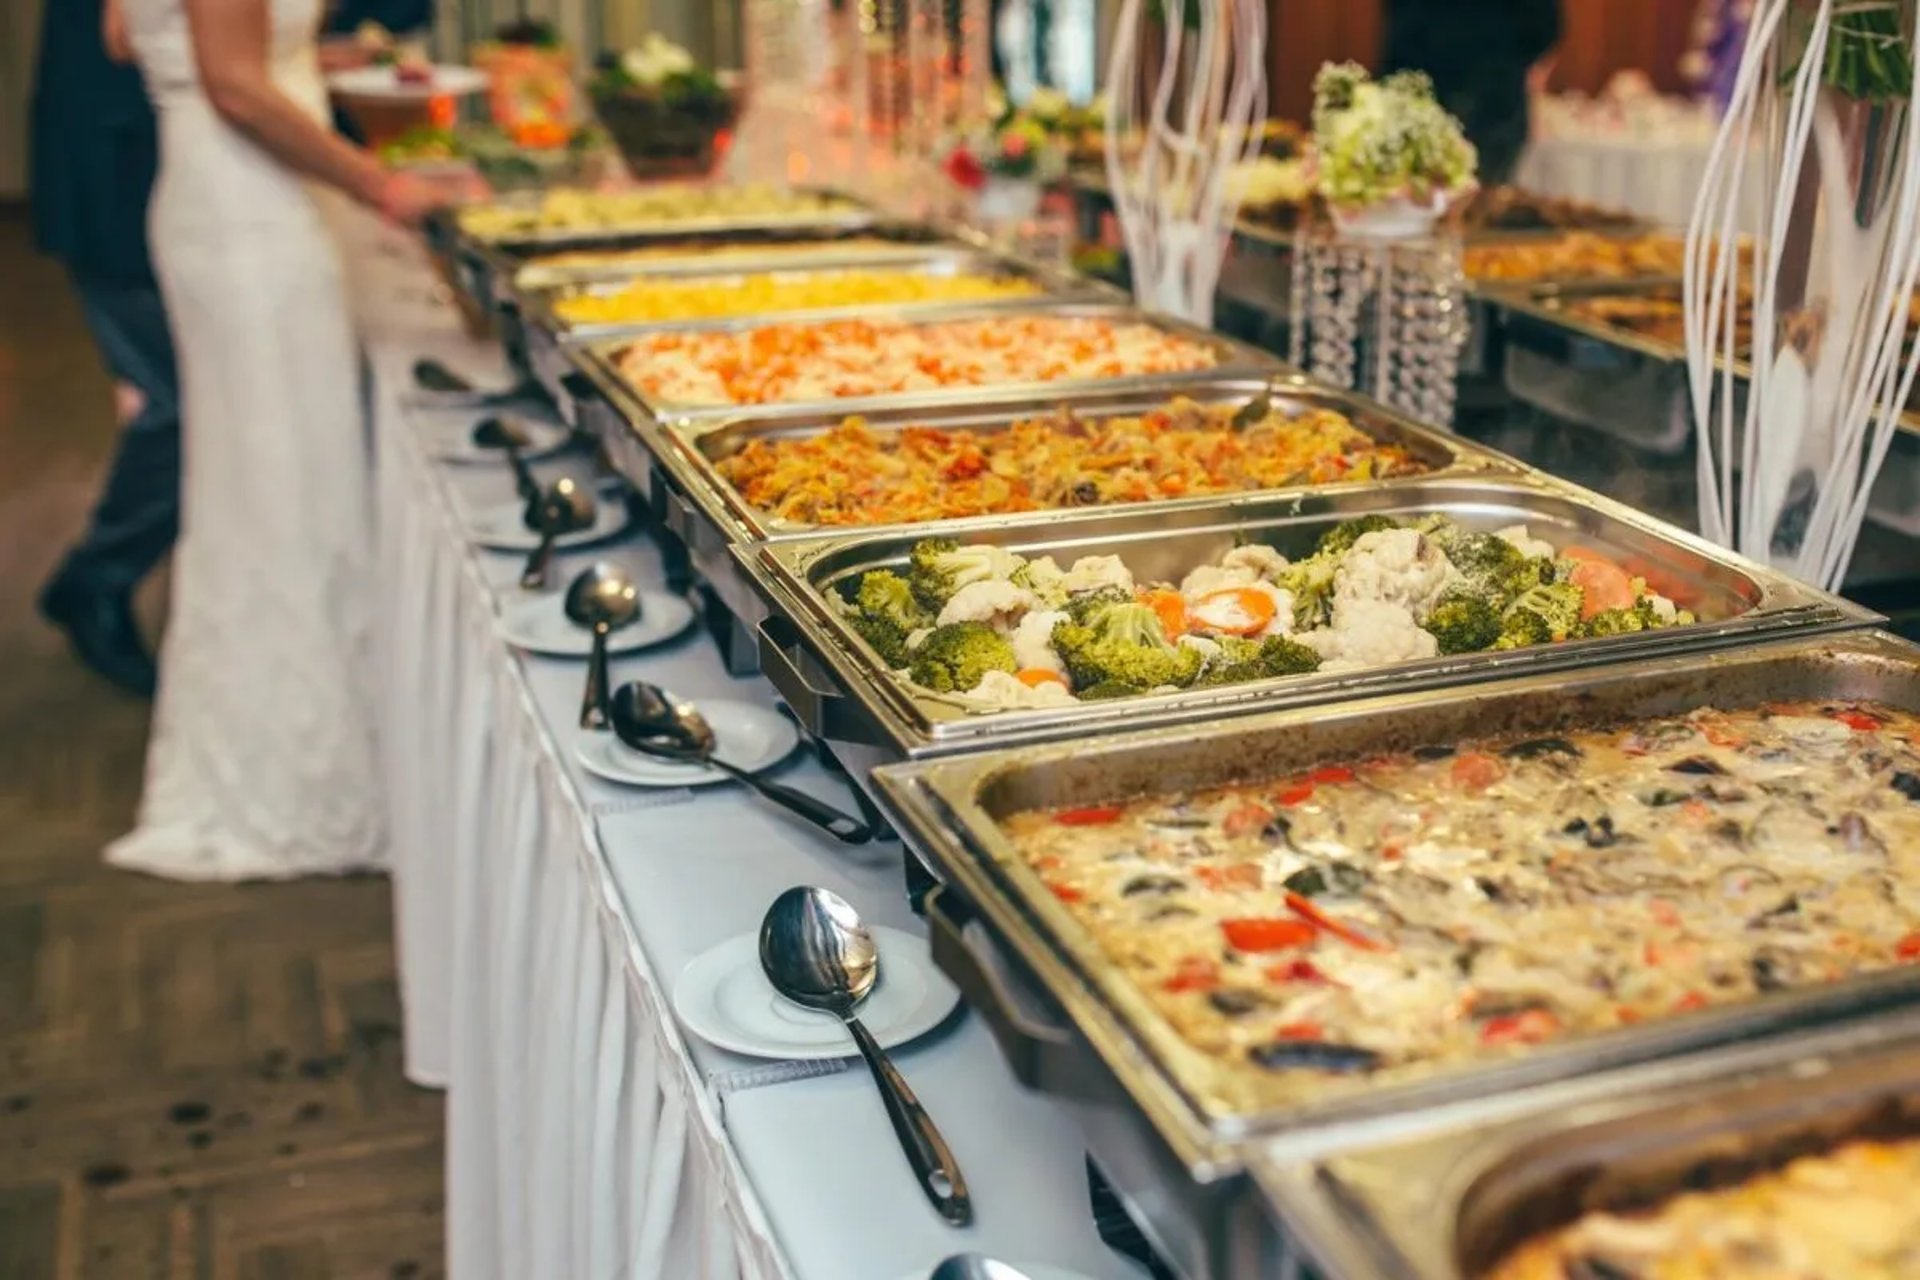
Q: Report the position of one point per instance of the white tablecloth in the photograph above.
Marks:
(541, 916)
(1658, 181)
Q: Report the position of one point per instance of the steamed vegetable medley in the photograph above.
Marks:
(996, 628)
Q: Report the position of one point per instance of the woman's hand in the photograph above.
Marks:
(409, 198)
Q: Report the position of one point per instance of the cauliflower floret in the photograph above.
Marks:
(1369, 633)
(1664, 609)
(1209, 578)
(1517, 536)
(999, 689)
(1000, 603)
(918, 637)
(1257, 556)
(1393, 566)
(1090, 573)
(1033, 641)
(1209, 648)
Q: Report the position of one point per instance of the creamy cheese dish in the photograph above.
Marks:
(1852, 1213)
(553, 265)
(832, 360)
(1466, 900)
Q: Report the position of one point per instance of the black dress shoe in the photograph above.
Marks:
(101, 628)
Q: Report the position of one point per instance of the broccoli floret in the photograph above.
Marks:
(889, 639)
(1441, 530)
(1107, 689)
(1550, 611)
(1483, 555)
(1280, 656)
(1496, 566)
(1616, 622)
(941, 566)
(1311, 582)
(1132, 623)
(886, 596)
(1116, 648)
(1242, 660)
(1089, 604)
(954, 658)
(883, 610)
(1464, 621)
(1342, 536)
(1521, 629)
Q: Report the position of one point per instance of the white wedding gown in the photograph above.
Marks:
(261, 761)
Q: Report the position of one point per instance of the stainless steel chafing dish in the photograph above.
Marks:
(1449, 1205)
(708, 514)
(487, 266)
(1152, 1107)
(536, 327)
(1634, 387)
(613, 404)
(843, 691)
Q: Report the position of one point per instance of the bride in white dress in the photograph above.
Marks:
(261, 763)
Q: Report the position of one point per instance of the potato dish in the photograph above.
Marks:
(832, 360)
(1370, 918)
(852, 474)
(652, 299)
(1844, 1214)
(573, 209)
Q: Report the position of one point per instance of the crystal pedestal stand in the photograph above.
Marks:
(1387, 317)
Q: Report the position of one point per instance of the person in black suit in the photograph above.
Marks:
(93, 158)
(1478, 53)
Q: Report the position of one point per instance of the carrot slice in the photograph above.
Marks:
(1603, 586)
(1170, 609)
(1476, 771)
(1268, 933)
(1236, 611)
(1034, 677)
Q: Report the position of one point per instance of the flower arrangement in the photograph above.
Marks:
(1386, 142)
(665, 111)
(530, 79)
(1024, 144)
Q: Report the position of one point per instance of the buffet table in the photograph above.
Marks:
(543, 916)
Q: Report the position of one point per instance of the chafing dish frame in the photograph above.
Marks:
(1418, 1208)
(1072, 1027)
(843, 691)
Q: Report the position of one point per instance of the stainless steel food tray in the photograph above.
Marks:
(1151, 1105)
(856, 213)
(1449, 1205)
(710, 516)
(619, 400)
(782, 250)
(843, 691)
(542, 305)
(487, 266)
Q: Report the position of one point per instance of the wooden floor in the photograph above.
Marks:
(194, 1081)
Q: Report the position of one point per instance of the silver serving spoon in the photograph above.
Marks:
(816, 953)
(973, 1266)
(647, 720)
(433, 376)
(602, 599)
(564, 508)
(510, 438)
